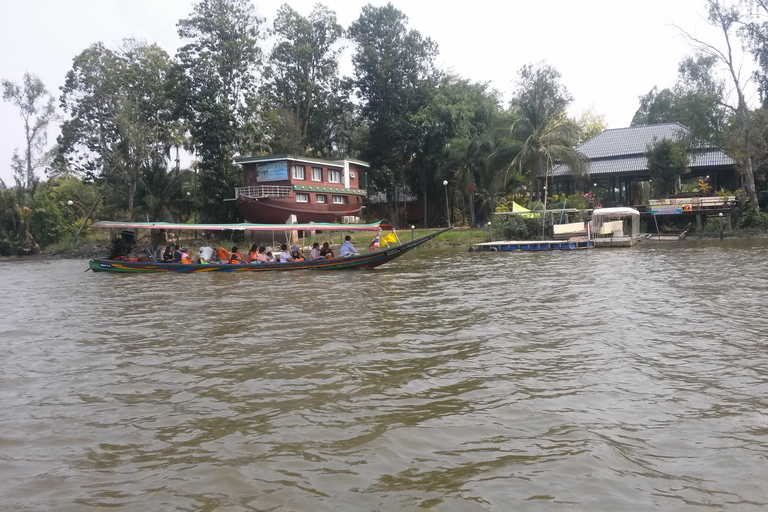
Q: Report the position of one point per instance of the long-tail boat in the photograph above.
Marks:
(366, 260)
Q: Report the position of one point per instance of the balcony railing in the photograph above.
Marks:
(263, 191)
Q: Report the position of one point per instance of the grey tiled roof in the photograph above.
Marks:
(630, 141)
(639, 164)
(622, 150)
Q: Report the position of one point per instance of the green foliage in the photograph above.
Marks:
(393, 78)
(303, 82)
(667, 161)
(53, 219)
(575, 200)
(590, 124)
(217, 81)
(10, 221)
(160, 195)
(36, 109)
(450, 128)
(752, 218)
(540, 134)
(695, 102)
(516, 227)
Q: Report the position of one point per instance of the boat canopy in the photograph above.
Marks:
(245, 226)
(620, 211)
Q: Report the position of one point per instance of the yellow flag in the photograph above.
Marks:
(389, 239)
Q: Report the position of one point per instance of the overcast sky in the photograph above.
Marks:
(609, 52)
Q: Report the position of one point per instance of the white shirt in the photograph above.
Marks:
(347, 248)
(285, 257)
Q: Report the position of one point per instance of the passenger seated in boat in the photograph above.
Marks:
(185, 257)
(347, 249)
(326, 251)
(252, 254)
(285, 256)
(270, 256)
(261, 256)
(296, 253)
(176, 254)
(314, 254)
(235, 257)
(168, 254)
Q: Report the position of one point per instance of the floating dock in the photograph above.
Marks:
(533, 245)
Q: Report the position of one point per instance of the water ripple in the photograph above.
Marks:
(607, 380)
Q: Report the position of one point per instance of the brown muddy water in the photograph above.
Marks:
(625, 379)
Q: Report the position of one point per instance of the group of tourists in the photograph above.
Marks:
(257, 254)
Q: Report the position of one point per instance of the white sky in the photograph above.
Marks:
(609, 52)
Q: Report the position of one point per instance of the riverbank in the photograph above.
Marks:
(457, 237)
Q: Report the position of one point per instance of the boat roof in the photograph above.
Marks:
(619, 211)
(245, 226)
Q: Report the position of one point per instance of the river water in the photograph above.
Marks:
(625, 379)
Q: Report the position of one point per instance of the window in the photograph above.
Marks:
(339, 199)
(298, 172)
(334, 176)
(317, 174)
(302, 198)
(321, 198)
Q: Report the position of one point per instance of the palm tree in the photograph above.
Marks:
(160, 193)
(542, 135)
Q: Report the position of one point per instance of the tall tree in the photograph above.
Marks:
(217, 72)
(696, 101)
(36, 108)
(303, 74)
(120, 115)
(728, 19)
(450, 126)
(543, 134)
(89, 98)
(393, 77)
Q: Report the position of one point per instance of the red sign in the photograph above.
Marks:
(470, 188)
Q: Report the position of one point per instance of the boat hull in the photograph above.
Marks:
(277, 210)
(362, 261)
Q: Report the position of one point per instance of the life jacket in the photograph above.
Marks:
(185, 258)
(223, 254)
(235, 258)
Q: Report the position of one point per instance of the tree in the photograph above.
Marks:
(450, 127)
(590, 124)
(216, 76)
(303, 75)
(755, 32)
(36, 108)
(121, 116)
(393, 77)
(696, 101)
(542, 133)
(667, 161)
(160, 193)
(656, 107)
(728, 19)
(89, 97)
